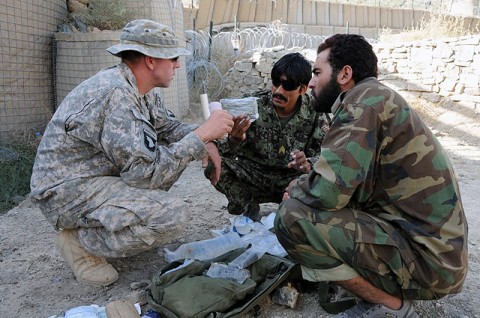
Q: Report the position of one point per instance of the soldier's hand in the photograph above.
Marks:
(217, 125)
(286, 194)
(239, 129)
(299, 161)
(215, 159)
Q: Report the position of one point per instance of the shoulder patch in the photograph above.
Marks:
(149, 141)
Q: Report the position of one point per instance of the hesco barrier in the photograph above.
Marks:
(26, 29)
(81, 55)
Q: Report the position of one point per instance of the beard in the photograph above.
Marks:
(323, 102)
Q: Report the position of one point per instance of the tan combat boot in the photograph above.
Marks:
(87, 268)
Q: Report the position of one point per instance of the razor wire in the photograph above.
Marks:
(212, 56)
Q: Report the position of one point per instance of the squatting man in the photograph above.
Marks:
(112, 150)
(260, 158)
(380, 213)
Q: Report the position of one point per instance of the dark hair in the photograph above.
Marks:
(353, 50)
(295, 67)
(130, 55)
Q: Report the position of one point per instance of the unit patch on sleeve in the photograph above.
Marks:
(149, 141)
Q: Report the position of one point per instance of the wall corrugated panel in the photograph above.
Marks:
(372, 17)
(397, 21)
(269, 12)
(218, 11)
(349, 15)
(292, 12)
(322, 13)
(26, 31)
(336, 18)
(202, 19)
(243, 14)
(235, 5)
(261, 11)
(252, 11)
(227, 13)
(308, 10)
(417, 16)
(385, 17)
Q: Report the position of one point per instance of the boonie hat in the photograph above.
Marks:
(150, 38)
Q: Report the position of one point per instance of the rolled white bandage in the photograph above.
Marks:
(205, 107)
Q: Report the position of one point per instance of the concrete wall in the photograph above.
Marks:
(304, 16)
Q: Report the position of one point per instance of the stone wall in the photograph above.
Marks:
(433, 70)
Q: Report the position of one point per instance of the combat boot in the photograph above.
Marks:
(87, 268)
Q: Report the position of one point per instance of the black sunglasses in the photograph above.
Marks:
(288, 86)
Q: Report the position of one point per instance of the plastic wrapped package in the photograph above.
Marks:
(218, 270)
(241, 106)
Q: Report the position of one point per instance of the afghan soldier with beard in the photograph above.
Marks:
(380, 212)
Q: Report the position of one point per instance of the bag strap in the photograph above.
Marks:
(332, 307)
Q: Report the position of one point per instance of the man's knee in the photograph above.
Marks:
(288, 232)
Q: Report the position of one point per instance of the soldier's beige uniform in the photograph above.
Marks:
(105, 161)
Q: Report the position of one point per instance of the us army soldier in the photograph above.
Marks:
(112, 150)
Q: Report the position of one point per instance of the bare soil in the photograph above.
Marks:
(36, 282)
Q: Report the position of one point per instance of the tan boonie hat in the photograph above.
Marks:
(150, 38)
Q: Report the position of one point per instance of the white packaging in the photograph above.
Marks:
(241, 106)
(247, 258)
(205, 106)
(218, 270)
(206, 249)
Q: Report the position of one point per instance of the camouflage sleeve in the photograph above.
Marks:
(345, 162)
(169, 128)
(316, 140)
(130, 141)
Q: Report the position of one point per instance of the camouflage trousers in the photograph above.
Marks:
(340, 245)
(116, 220)
(245, 186)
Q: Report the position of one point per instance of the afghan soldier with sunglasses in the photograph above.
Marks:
(260, 158)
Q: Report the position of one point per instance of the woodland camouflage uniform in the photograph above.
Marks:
(382, 202)
(104, 161)
(256, 171)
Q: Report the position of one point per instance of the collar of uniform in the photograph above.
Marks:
(130, 78)
(342, 95)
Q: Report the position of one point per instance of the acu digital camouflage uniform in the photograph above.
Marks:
(382, 202)
(256, 171)
(105, 158)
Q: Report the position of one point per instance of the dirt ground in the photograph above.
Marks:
(36, 282)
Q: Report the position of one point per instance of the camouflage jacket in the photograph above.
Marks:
(268, 145)
(380, 158)
(104, 127)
